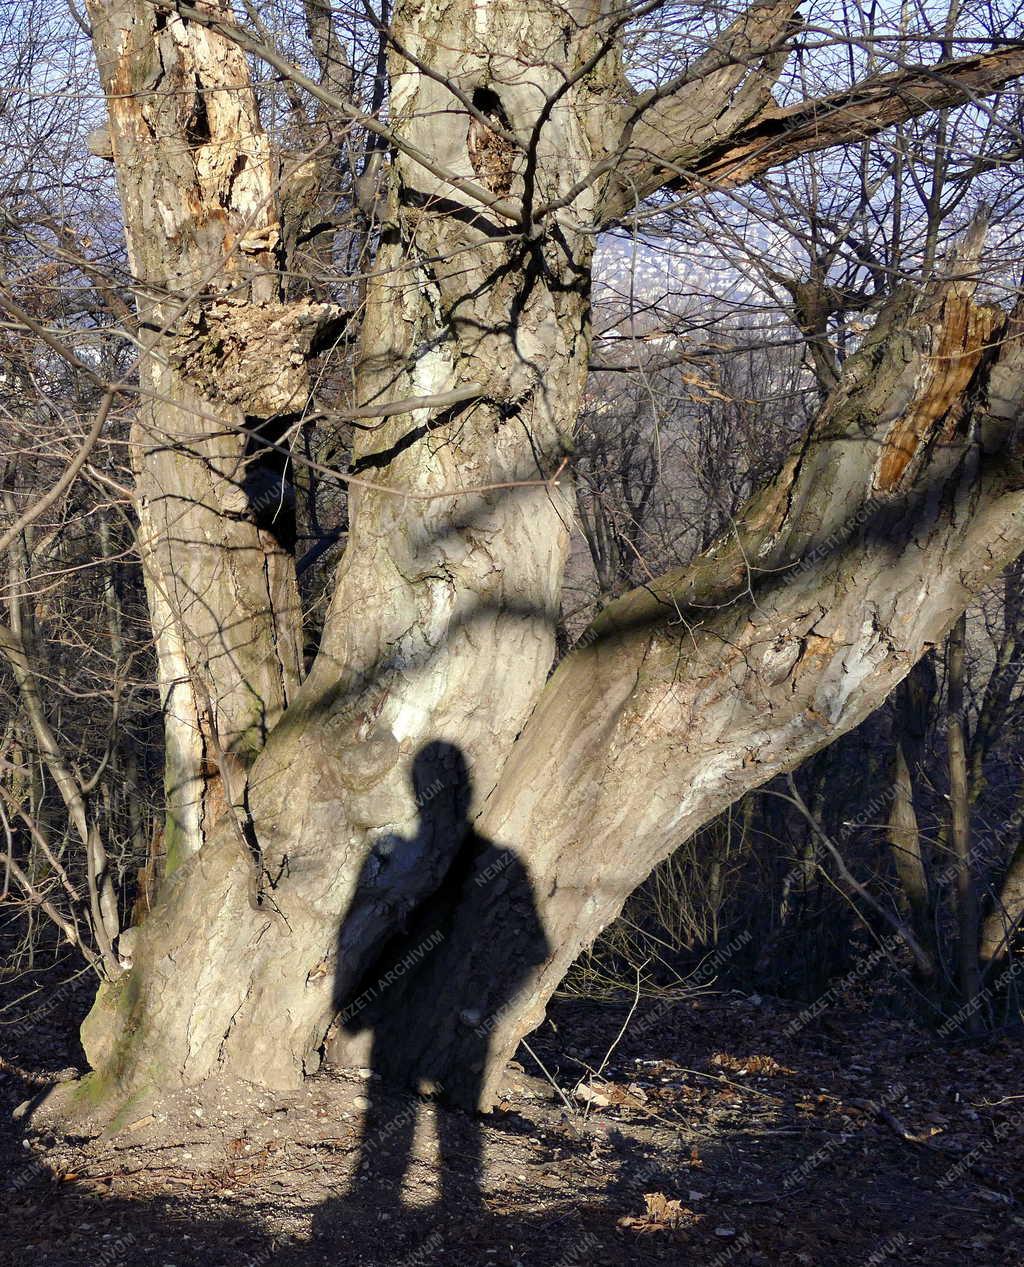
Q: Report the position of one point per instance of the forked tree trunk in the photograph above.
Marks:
(442, 622)
(428, 706)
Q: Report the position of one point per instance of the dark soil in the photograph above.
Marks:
(712, 1136)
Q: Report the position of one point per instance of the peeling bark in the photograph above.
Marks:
(693, 691)
(457, 596)
(194, 176)
(685, 695)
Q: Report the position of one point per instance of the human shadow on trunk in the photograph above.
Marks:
(429, 1022)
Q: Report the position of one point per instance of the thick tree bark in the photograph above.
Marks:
(220, 354)
(456, 594)
(427, 708)
(902, 501)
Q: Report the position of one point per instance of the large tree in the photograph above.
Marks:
(317, 824)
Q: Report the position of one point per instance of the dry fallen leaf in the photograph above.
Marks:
(663, 1213)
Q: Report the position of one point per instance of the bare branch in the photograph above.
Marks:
(679, 120)
(777, 135)
(66, 480)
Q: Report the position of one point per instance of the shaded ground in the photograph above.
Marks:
(712, 1136)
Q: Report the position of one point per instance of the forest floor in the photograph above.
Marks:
(724, 1130)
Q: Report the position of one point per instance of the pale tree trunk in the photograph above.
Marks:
(913, 702)
(960, 822)
(1007, 917)
(1005, 920)
(194, 177)
(689, 696)
(428, 706)
(457, 595)
(905, 838)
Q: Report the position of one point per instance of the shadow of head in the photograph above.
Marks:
(441, 783)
